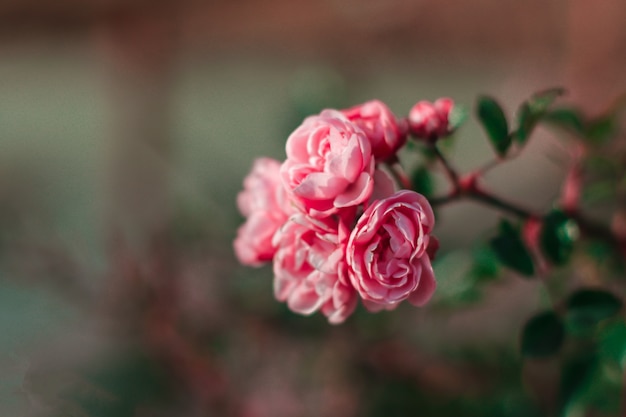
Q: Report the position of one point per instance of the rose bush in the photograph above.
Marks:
(330, 219)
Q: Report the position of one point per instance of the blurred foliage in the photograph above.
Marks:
(542, 335)
(511, 250)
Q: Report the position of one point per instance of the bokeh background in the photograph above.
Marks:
(126, 128)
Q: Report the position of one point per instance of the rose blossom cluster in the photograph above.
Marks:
(331, 220)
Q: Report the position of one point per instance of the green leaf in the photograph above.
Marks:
(541, 100)
(587, 307)
(511, 251)
(600, 130)
(558, 235)
(457, 117)
(526, 121)
(422, 181)
(576, 378)
(485, 267)
(566, 118)
(612, 342)
(532, 110)
(542, 335)
(494, 121)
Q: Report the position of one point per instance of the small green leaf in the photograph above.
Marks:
(612, 342)
(526, 121)
(541, 100)
(587, 307)
(558, 235)
(542, 335)
(494, 121)
(422, 181)
(600, 130)
(457, 117)
(531, 111)
(511, 251)
(566, 118)
(485, 266)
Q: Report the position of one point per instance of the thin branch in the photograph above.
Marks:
(450, 171)
(502, 205)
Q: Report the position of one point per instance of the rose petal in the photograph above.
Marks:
(356, 193)
(426, 286)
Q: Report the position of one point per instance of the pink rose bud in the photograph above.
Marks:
(329, 164)
(431, 121)
(309, 268)
(383, 130)
(388, 252)
(265, 204)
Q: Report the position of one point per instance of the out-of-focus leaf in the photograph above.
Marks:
(576, 377)
(600, 130)
(495, 124)
(613, 343)
(587, 307)
(485, 265)
(600, 191)
(542, 100)
(526, 121)
(542, 335)
(422, 181)
(457, 117)
(600, 251)
(532, 110)
(511, 251)
(453, 284)
(558, 235)
(566, 118)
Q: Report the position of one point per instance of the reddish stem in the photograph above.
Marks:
(450, 171)
(467, 187)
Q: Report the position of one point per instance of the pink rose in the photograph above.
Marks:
(329, 164)
(387, 252)
(265, 204)
(309, 268)
(383, 130)
(431, 120)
